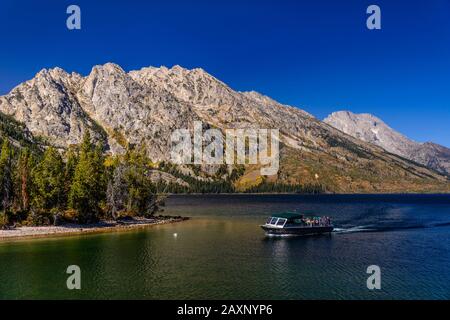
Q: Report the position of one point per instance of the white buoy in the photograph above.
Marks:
(175, 235)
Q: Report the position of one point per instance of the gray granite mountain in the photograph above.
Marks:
(143, 107)
(373, 130)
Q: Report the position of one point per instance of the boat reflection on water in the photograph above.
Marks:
(294, 224)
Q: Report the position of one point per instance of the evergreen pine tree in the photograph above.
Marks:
(23, 179)
(69, 170)
(88, 185)
(48, 178)
(6, 179)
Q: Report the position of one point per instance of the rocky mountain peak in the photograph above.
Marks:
(144, 107)
(371, 129)
(54, 77)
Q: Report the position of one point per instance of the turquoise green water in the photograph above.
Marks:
(221, 253)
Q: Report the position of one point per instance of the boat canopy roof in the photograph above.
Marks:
(293, 215)
(287, 215)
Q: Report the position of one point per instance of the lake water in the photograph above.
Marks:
(221, 253)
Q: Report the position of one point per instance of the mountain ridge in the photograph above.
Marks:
(372, 129)
(143, 107)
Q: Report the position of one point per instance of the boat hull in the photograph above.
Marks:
(302, 231)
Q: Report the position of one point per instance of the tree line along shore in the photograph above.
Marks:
(81, 185)
(84, 185)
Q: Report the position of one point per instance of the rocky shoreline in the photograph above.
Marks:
(77, 229)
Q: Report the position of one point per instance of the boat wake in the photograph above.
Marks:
(387, 228)
(354, 229)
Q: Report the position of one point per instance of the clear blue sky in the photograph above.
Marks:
(317, 54)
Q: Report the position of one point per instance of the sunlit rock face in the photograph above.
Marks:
(144, 107)
(373, 130)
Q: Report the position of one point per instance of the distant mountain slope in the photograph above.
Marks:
(373, 130)
(143, 107)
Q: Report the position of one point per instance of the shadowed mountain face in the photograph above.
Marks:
(144, 107)
(18, 135)
(373, 130)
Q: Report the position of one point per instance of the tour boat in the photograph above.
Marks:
(296, 224)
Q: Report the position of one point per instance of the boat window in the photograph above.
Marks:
(268, 220)
(281, 222)
(273, 221)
